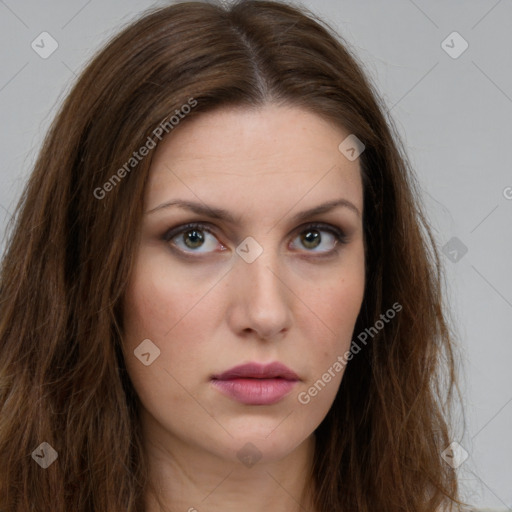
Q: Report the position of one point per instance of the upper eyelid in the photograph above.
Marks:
(181, 228)
(211, 228)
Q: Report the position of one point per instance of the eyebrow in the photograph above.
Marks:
(225, 215)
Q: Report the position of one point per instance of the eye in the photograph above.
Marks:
(198, 238)
(195, 238)
(321, 238)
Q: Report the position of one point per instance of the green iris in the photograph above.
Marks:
(193, 238)
(310, 239)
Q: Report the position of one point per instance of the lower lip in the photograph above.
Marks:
(255, 391)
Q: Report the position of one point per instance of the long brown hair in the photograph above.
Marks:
(70, 255)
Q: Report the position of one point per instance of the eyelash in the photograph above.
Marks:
(338, 234)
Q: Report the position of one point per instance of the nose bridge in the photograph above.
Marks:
(264, 299)
(260, 271)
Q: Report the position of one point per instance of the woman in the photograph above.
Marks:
(221, 292)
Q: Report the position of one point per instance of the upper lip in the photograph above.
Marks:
(258, 371)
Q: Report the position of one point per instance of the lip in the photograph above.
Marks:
(258, 371)
(256, 384)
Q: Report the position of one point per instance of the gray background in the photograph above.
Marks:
(453, 114)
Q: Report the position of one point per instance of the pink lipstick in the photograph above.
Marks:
(256, 384)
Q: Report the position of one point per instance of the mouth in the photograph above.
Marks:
(256, 384)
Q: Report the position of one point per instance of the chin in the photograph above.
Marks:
(259, 446)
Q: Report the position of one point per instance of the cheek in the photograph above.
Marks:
(173, 309)
(161, 296)
(329, 320)
(335, 303)
(157, 308)
(338, 309)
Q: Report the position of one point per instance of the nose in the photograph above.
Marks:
(261, 300)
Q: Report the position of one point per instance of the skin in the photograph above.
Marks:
(295, 303)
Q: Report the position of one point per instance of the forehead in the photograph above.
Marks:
(272, 155)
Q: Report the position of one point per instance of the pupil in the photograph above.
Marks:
(193, 239)
(311, 239)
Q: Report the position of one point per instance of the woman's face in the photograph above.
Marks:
(271, 271)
